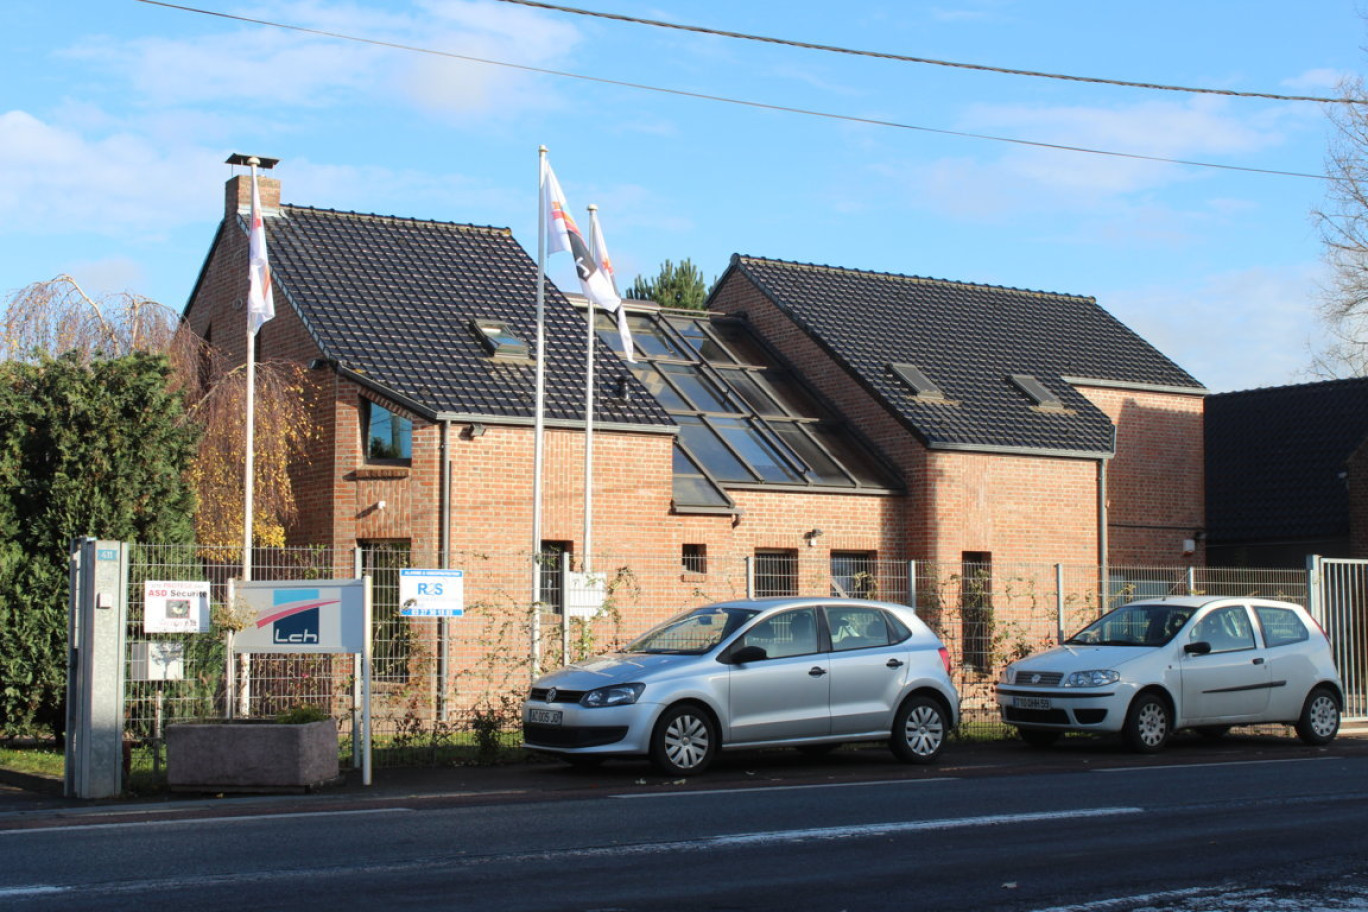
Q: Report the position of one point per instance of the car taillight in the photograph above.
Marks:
(945, 659)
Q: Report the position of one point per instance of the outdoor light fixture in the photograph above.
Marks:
(812, 537)
(474, 430)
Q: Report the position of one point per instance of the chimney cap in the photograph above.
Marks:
(237, 158)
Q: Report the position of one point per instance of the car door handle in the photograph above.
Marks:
(1259, 661)
(894, 663)
(817, 671)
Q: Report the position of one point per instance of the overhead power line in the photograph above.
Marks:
(848, 118)
(807, 45)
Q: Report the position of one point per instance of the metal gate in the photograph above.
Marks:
(1339, 600)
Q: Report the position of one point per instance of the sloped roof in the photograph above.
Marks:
(1275, 460)
(968, 339)
(390, 300)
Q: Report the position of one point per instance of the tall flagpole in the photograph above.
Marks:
(591, 315)
(539, 420)
(249, 461)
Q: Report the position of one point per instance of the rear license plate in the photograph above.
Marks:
(544, 716)
(1032, 703)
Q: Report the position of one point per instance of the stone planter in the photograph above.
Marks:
(251, 755)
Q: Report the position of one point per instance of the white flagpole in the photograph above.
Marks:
(249, 471)
(591, 315)
(539, 420)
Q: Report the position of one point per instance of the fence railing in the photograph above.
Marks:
(457, 683)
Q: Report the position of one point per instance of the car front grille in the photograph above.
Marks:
(577, 736)
(1038, 678)
(1050, 716)
(562, 696)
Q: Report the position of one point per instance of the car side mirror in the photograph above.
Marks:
(1200, 648)
(749, 654)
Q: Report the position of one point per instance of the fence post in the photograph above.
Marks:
(1059, 602)
(358, 566)
(912, 586)
(1314, 595)
(1191, 580)
(750, 576)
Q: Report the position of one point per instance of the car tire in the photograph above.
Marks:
(1039, 737)
(684, 741)
(919, 730)
(1149, 723)
(1320, 717)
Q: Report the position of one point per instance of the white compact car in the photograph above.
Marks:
(811, 673)
(1152, 667)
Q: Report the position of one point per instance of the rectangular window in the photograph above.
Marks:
(388, 436)
(776, 572)
(976, 610)
(694, 558)
(392, 636)
(553, 564)
(854, 574)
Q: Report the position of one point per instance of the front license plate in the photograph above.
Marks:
(1032, 703)
(544, 716)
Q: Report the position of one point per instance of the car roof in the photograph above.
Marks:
(1201, 601)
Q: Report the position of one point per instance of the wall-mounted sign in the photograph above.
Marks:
(175, 607)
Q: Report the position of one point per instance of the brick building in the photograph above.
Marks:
(814, 418)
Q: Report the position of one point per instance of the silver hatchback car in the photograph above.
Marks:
(811, 673)
(1155, 666)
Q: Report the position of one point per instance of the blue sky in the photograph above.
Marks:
(116, 117)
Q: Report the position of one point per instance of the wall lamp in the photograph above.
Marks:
(474, 430)
(812, 537)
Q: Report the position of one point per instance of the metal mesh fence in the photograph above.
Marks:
(448, 690)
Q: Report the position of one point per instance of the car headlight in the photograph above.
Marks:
(1097, 677)
(613, 695)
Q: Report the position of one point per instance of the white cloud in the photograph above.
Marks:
(1234, 330)
(63, 181)
(258, 67)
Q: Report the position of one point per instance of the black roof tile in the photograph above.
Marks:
(968, 339)
(1276, 457)
(391, 299)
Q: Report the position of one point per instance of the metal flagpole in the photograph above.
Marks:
(539, 420)
(591, 315)
(250, 456)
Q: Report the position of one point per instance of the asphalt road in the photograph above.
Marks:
(1249, 824)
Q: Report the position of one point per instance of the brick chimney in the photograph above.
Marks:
(238, 191)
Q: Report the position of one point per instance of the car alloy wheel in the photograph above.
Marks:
(1320, 718)
(1148, 724)
(919, 730)
(684, 741)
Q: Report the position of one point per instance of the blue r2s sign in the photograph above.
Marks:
(431, 593)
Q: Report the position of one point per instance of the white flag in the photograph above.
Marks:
(563, 234)
(606, 266)
(260, 299)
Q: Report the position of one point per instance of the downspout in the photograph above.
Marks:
(1103, 543)
(443, 552)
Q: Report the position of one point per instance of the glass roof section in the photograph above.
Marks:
(745, 418)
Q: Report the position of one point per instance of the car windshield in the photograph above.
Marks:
(1134, 625)
(693, 632)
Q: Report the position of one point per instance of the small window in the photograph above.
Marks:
(854, 574)
(1281, 626)
(1036, 390)
(922, 386)
(388, 436)
(499, 341)
(694, 558)
(776, 572)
